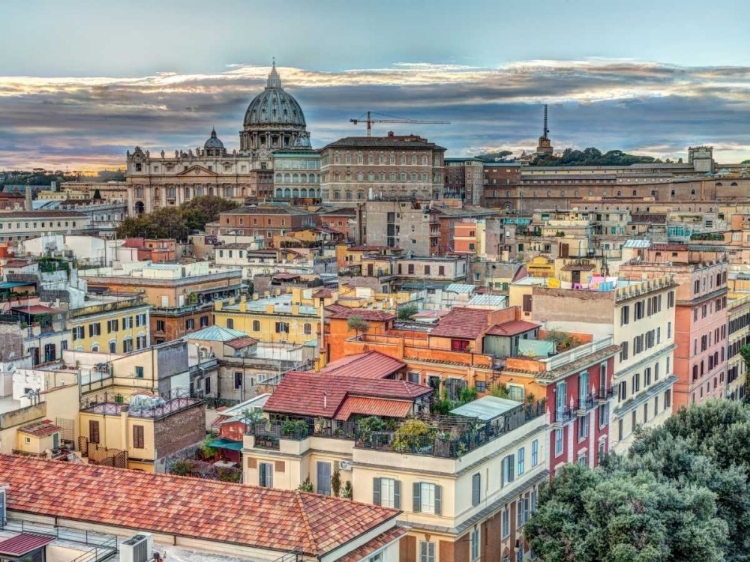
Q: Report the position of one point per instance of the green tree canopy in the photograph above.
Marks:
(176, 222)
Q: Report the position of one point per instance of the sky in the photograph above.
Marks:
(82, 82)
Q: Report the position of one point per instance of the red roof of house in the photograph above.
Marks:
(373, 407)
(17, 263)
(41, 429)
(265, 518)
(512, 328)
(383, 539)
(342, 312)
(462, 323)
(315, 395)
(370, 365)
(283, 276)
(23, 544)
(239, 343)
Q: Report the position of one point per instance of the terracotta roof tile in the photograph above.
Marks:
(512, 328)
(364, 313)
(239, 343)
(315, 395)
(373, 407)
(369, 548)
(41, 429)
(239, 514)
(464, 323)
(370, 365)
(23, 544)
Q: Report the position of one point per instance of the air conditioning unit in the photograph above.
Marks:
(138, 548)
(345, 465)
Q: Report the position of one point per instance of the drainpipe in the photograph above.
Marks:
(124, 427)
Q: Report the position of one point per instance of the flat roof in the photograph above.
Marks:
(486, 408)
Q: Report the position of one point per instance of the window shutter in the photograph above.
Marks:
(438, 499)
(511, 468)
(91, 330)
(376, 491)
(397, 494)
(417, 497)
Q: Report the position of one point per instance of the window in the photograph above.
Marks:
(508, 467)
(190, 324)
(427, 498)
(78, 333)
(204, 321)
(139, 372)
(667, 399)
(476, 489)
(265, 474)
(583, 427)
(624, 315)
(387, 492)
(282, 327)
(558, 442)
(138, 439)
(113, 346)
(460, 345)
(230, 323)
(127, 345)
(603, 415)
(426, 551)
(95, 329)
(93, 431)
(522, 512)
(160, 325)
(506, 522)
(237, 380)
(112, 325)
(534, 453)
(475, 544)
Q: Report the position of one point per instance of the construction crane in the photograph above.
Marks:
(391, 119)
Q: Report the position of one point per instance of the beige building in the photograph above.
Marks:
(360, 168)
(738, 312)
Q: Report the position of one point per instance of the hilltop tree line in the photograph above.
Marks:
(570, 157)
(46, 177)
(176, 222)
(681, 493)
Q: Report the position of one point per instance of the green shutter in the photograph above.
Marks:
(397, 494)
(376, 491)
(438, 499)
(417, 497)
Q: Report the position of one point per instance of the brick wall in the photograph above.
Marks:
(180, 430)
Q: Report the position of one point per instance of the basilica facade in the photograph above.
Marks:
(273, 123)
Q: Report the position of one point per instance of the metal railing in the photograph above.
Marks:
(104, 546)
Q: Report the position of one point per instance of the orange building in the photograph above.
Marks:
(156, 250)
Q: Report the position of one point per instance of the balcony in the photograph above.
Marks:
(585, 404)
(605, 395)
(268, 435)
(561, 416)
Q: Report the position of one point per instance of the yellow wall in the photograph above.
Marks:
(87, 343)
(114, 435)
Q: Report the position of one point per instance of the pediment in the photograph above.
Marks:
(198, 172)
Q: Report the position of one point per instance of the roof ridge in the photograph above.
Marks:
(306, 523)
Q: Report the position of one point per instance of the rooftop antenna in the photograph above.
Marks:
(546, 130)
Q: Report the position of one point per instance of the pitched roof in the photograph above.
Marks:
(512, 328)
(383, 539)
(373, 407)
(228, 513)
(577, 267)
(216, 333)
(370, 365)
(465, 323)
(23, 544)
(315, 395)
(394, 141)
(239, 343)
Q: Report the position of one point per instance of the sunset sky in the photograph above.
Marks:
(82, 82)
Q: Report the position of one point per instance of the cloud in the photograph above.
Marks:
(632, 105)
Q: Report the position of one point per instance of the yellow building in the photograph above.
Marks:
(110, 325)
(38, 438)
(289, 318)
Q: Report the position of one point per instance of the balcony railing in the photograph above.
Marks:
(605, 394)
(562, 415)
(585, 404)
(267, 435)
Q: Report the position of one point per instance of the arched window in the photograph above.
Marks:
(692, 192)
(278, 178)
(287, 193)
(414, 177)
(360, 195)
(303, 192)
(228, 191)
(303, 178)
(733, 184)
(279, 192)
(295, 192)
(337, 195)
(403, 176)
(619, 193)
(348, 195)
(360, 176)
(370, 176)
(113, 346)
(295, 178)
(635, 193)
(187, 193)
(672, 193)
(393, 176)
(718, 184)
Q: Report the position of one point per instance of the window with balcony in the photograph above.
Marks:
(265, 474)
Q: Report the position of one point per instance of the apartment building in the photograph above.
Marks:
(464, 179)
(22, 225)
(261, 222)
(411, 225)
(182, 295)
(110, 324)
(640, 317)
(700, 361)
(297, 174)
(463, 495)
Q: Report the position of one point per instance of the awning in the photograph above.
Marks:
(14, 284)
(23, 544)
(226, 444)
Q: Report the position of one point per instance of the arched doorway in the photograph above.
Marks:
(139, 208)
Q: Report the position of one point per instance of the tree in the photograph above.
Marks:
(586, 516)
(97, 194)
(358, 324)
(336, 482)
(201, 210)
(406, 312)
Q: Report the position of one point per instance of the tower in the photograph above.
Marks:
(545, 145)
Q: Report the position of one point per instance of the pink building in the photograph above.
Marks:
(700, 361)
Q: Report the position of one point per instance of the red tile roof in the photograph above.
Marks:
(373, 407)
(23, 544)
(17, 263)
(369, 548)
(370, 365)
(239, 343)
(37, 309)
(264, 518)
(315, 395)
(368, 314)
(512, 328)
(41, 429)
(462, 323)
